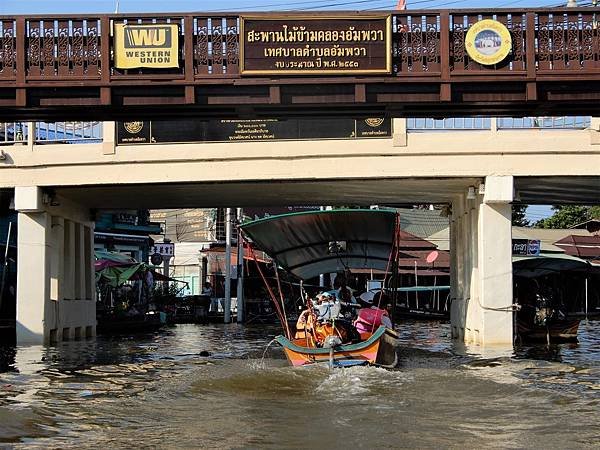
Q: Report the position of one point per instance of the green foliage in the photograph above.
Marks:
(569, 215)
(518, 216)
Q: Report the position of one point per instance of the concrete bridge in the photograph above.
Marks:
(57, 185)
(66, 67)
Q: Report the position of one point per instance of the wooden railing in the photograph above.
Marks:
(427, 43)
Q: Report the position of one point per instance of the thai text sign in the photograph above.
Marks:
(315, 45)
(153, 45)
(251, 130)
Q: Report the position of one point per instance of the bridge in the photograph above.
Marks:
(63, 68)
(246, 128)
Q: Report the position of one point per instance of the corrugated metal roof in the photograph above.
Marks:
(422, 222)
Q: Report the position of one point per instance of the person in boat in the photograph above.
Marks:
(321, 318)
(374, 314)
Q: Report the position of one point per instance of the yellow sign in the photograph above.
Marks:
(488, 42)
(154, 45)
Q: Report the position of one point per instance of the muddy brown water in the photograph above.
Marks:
(157, 391)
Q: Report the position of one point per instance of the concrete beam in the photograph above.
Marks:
(28, 199)
(499, 189)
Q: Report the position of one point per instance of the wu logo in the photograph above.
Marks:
(148, 36)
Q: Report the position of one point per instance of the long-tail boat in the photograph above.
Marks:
(310, 243)
(546, 289)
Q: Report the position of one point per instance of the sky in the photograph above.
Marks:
(108, 6)
(538, 212)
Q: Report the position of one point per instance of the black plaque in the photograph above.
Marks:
(133, 132)
(239, 130)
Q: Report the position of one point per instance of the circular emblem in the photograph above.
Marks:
(374, 122)
(156, 259)
(488, 42)
(133, 127)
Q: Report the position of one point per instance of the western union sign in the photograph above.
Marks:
(154, 46)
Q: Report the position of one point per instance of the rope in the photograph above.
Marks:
(394, 255)
(284, 323)
(280, 293)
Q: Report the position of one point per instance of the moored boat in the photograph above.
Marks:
(564, 330)
(545, 289)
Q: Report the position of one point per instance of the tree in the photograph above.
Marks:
(518, 216)
(569, 215)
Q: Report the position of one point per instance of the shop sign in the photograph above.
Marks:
(525, 247)
(488, 42)
(286, 45)
(150, 45)
(125, 219)
(252, 130)
(164, 249)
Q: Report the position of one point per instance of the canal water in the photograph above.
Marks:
(163, 391)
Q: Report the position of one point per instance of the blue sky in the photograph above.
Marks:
(108, 6)
(537, 212)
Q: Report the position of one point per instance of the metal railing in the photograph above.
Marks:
(51, 132)
(458, 123)
(13, 133)
(68, 132)
(502, 123)
(526, 123)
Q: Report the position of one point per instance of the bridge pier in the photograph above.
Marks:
(55, 269)
(481, 264)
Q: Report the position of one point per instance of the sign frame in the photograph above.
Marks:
(388, 45)
(121, 61)
(498, 28)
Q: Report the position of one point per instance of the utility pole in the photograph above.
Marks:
(227, 305)
(240, 270)
(166, 266)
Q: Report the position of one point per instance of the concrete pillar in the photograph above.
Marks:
(69, 260)
(33, 282)
(481, 236)
(55, 298)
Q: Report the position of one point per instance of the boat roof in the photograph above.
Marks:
(536, 266)
(310, 243)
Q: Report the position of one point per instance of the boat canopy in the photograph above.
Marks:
(537, 266)
(310, 243)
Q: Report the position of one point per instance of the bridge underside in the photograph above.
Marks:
(530, 190)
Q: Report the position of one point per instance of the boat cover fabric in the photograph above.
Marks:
(314, 242)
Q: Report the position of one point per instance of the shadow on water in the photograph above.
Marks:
(209, 386)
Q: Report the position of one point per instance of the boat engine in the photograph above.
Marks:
(332, 341)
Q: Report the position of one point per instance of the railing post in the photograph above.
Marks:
(31, 132)
(21, 92)
(531, 93)
(400, 137)
(188, 46)
(108, 138)
(445, 87)
(105, 94)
